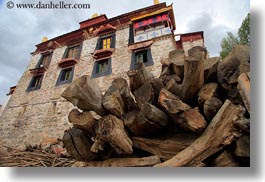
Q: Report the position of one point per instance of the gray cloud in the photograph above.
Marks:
(213, 33)
(22, 29)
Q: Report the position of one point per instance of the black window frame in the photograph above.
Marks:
(41, 60)
(95, 74)
(33, 79)
(99, 44)
(149, 62)
(59, 79)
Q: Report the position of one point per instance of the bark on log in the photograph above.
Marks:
(165, 148)
(219, 133)
(225, 159)
(117, 99)
(211, 107)
(85, 94)
(154, 114)
(192, 82)
(207, 91)
(78, 143)
(138, 76)
(244, 89)
(191, 120)
(84, 120)
(171, 103)
(144, 94)
(121, 162)
(110, 129)
(244, 125)
(237, 62)
(139, 125)
(210, 69)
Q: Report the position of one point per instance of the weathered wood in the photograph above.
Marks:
(165, 148)
(138, 76)
(154, 114)
(85, 94)
(192, 82)
(211, 107)
(244, 89)
(191, 120)
(219, 133)
(171, 103)
(144, 94)
(157, 85)
(210, 69)
(207, 91)
(198, 52)
(139, 125)
(83, 120)
(117, 99)
(110, 129)
(121, 162)
(225, 159)
(237, 62)
(243, 124)
(78, 143)
(243, 146)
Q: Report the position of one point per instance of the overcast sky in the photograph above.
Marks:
(22, 29)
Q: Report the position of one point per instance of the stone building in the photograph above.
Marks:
(104, 48)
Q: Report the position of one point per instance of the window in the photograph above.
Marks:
(143, 56)
(66, 76)
(35, 83)
(106, 42)
(44, 61)
(73, 52)
(102, 68)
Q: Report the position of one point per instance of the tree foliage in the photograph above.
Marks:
(231, 40)
(244, 31)
(228, 44)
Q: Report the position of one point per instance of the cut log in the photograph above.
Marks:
(139, 125)
(191, 120)
(138, 76)
(78, 143)
(165, 148)
(210, 69)
(207, 91)
(198, 52)
(154, 114)
(219, 133)
(110, 129)
(84, 120)
(237, 62)
(244, 89)
(157, 85)
(121, 162)
(225, 159)
(243, 124)
(243, 146)
(144, 94)
(117, 99)
(211, 107)
(171, 103)
(192, 82)
(85, 94)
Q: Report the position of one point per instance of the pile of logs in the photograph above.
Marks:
(196, 113)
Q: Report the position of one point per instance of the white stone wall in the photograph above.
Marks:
(189, 44)
(31, 116)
